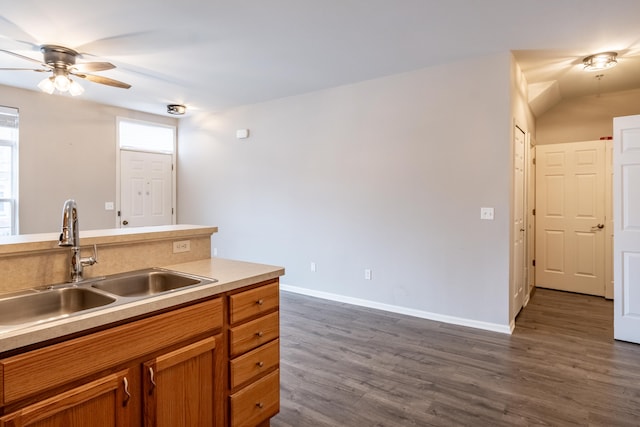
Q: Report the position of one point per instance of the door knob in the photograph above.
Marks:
(597, 227)
(125, 222)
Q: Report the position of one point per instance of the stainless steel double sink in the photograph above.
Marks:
(48, 303)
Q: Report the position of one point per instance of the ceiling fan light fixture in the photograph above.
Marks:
(600, 61)
(61, 82)
(47, 86)
(75, 88)
(176, 109)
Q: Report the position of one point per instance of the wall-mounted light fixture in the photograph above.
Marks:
(600, 61)
(176, 109)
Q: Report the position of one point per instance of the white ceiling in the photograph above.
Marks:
(215, 54)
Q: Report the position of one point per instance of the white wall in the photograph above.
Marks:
(387, 174)
(587, 118)
(67, 150)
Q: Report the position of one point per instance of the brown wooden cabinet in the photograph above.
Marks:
(254, 353)
(99, 403)
(107, 378)
(214, 363)
(180, 386)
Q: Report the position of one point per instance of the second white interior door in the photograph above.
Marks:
(570, 217)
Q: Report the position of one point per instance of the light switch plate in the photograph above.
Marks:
(486, 213)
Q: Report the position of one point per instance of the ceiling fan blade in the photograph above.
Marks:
(89, 67)
(104, 80)
(24, 69)
(26, 58)
(11, 32)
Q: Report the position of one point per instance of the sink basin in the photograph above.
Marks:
(49, 305)
(147, 283)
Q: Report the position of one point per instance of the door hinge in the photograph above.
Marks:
(171, 166)
(534, 160)
(533, 262)
(534, 212)
(119, 213)
(171, 211)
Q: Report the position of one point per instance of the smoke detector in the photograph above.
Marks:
(176, 109)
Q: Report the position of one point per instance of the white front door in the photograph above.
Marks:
(570, 217)
(518, 221)
(145, 189)
(626, 219)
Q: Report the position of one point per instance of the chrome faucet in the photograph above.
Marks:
(70, 236)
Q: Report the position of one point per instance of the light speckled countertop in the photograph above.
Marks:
(230, 275)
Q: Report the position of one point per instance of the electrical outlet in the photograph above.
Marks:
(313, 266)
(181, 246)
(108, 206)
(215, 251)
(486, 213)
(367, 274)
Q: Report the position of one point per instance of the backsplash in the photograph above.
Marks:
(27, 265)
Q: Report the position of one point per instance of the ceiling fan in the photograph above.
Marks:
(61, 61)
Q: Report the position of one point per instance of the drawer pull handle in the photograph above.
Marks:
(126, 391)
(260, 364)
(152, 379)
(260, 302)
(259, 334)
(260, 405)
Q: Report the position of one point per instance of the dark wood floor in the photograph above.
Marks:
(344, 365)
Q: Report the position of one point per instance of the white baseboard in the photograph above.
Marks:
(494, 327)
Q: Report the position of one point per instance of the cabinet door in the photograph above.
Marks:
(100, 403)
(179, 387)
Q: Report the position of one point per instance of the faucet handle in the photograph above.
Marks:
(92, 259)
(95, 253)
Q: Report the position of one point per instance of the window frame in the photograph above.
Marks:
(14, 146)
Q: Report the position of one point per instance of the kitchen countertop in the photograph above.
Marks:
(230, 275)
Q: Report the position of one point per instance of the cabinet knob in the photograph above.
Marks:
(259, 334)
(260, 364)
(260, 405)
(260, 302)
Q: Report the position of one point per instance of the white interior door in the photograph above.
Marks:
(570, 217)
(626, 219)
(531, 221)
(609, 225)
(518, 220)
(145, 189)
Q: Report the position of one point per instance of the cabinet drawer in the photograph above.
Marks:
(251, 303)
(257, 402)
(253, 364)
(253, 334)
